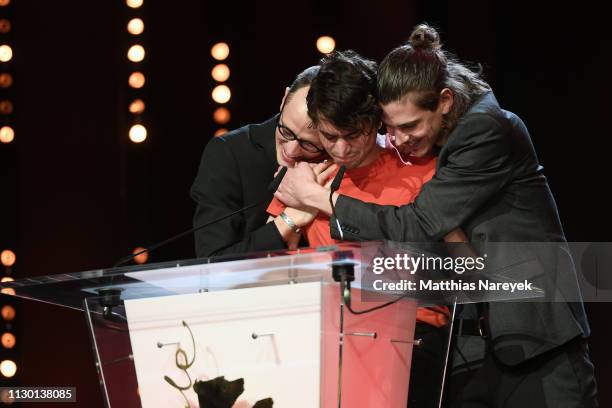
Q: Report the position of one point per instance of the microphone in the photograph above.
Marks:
(272, 187)
(335, 185)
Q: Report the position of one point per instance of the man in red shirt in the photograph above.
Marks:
(344, 110)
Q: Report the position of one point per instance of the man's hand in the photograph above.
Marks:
(296, 185)
(300, 189)
(300, 218)
(324, 171)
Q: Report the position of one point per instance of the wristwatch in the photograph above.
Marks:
(290, 223)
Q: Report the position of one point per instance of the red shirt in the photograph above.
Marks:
(384, 181)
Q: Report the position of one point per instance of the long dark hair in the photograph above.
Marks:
(422, 68)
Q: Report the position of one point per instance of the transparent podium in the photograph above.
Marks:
(314, 328)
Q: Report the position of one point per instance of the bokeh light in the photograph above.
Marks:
(220, 51)
(326, 44)
(136, 53)
(220, 73)
(138, 133)
(221, 94)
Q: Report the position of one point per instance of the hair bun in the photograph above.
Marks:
(425, 37)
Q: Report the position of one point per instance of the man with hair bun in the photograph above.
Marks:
(488, 182)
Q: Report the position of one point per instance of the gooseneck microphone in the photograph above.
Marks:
(272, 187)
(335, 185)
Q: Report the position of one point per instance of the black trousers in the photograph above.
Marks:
(561, 378)
(427, 366)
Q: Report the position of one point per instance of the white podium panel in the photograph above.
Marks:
(269, 336)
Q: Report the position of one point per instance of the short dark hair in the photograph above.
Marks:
(344, 93)
(302, 80)
(423, 68)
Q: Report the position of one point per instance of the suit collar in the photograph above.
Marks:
(263, 136)
(484, 104)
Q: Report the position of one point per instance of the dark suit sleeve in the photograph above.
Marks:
(217, 191)
(478, 166)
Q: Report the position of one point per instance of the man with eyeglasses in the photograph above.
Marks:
(236, 169)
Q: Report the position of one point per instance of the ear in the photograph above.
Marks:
(283, 100)
(446, 100)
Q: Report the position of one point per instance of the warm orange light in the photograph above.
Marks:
(138, 133)
(8, 340)
(221, 94)
(136, 53)
(5, 26)
(6, 107)
(220, 132)
(134, 3)
(135, 26)
(8, 312)
(6, 53)
(220, 51)
(6, 80)
(7, 279)
(5, 397)
(7, 134)
(136, 80)
(8, 291)
(4, 3)
(326, 44)
(222, 115)
(142, 258)
(8, 368)
(220, 72)
(7, 257)
(137, 106)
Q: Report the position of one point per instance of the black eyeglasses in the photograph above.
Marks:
(288, 135)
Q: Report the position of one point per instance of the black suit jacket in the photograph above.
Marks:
(488, 181)
(235, 172)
